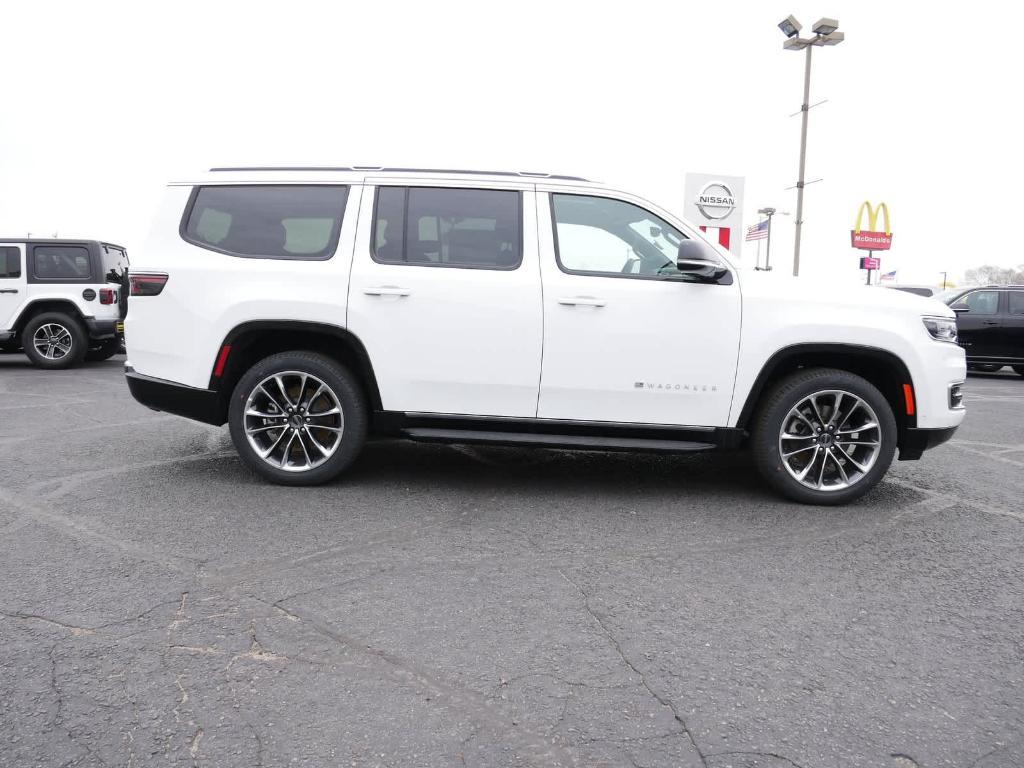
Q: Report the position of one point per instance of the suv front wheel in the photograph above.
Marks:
(298, 418)
(824, 436)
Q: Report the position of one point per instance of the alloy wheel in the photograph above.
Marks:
(52, 341)
(830, 440)
(293, 421)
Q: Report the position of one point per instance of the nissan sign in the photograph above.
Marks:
(715, 204)
(716, 201)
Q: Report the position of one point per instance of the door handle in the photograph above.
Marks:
(8, 290)
(386, 290)
(581, 301)
(990, 322)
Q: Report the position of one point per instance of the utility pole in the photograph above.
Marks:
(943, 281)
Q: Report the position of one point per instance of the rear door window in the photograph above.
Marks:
(448, 227)
(61, 262)
(1016, 299)
(267, 221)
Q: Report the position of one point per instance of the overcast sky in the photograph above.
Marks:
(105, 102)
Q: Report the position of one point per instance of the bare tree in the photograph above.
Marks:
(990, 274)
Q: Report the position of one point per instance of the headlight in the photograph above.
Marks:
(941, 328)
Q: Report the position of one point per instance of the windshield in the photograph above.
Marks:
(949, 295)
(115, 263)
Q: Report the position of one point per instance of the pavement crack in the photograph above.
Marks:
(75, 630)
(193, 747)
(753, 753)
(660, 698)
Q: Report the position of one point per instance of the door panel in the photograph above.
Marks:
(978, 330)
(621, 343)
(1012, 332)
(12, 283)
(445, 333)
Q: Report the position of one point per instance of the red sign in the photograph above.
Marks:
(870, 241)
(870, 262)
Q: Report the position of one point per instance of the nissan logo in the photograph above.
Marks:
(715, 200)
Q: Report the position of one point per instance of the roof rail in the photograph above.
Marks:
(527, 174)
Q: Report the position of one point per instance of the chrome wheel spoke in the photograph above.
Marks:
(265, 454)
(861, 428)
(839, 466)
(798, 450)
(849, 458)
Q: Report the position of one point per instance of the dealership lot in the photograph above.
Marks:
(461, 606)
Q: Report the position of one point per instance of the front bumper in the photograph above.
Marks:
(916, 441)
(160, 395)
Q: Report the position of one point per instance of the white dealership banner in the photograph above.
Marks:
(715, 203)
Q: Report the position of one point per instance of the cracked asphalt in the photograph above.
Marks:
(452, 606)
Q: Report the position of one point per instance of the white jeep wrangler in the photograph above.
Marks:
(313, 308)
(61, 301)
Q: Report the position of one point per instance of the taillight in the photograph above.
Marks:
(108, 296)
(147, 284)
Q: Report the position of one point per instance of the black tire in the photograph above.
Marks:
(73, 356)
(1019, 370)
(104, 351)
(342, 385)
(774, 412)
(986, 367)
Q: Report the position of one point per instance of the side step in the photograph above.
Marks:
(575, 442)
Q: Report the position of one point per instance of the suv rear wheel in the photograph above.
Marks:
(298, 418)
(54, 340)
(824, 436)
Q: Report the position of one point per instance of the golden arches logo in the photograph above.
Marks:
(873, 217)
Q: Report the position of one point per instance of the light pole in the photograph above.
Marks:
(769, 212)
(826, 32)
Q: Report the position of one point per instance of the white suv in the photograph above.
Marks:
(61, 301)
(313, 308)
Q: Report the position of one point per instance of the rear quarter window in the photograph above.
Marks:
(281, 221)
(61, 262)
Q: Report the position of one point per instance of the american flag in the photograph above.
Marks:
(889, 275)
(758, 231)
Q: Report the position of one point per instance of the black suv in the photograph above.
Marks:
(990, 325)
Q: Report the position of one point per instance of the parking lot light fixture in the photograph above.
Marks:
(826, 32)
(790, 26)
(825, 26)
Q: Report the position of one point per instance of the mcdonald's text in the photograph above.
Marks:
(871, 241)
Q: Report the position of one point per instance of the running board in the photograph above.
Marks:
(574, 442)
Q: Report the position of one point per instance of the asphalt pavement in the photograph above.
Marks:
(456, 606)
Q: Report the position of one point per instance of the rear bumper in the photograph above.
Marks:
(160, 395)
(916, 441)
(101, 329)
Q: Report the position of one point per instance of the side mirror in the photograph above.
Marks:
(697, 259)
(960, 307)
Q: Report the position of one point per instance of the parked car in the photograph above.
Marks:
(311, 309)
(61, 301)
(990, 324)
(917, 290)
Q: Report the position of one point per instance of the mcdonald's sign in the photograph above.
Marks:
(872, 239)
